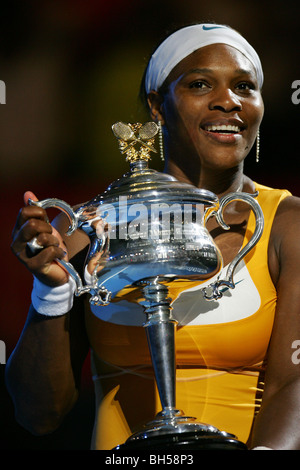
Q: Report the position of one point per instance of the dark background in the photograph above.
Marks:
(72, 68)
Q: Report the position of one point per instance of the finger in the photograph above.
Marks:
(43, 240)
(26, 213)
(29, 195)
(42, 263)
(33, 228)
(40, 242)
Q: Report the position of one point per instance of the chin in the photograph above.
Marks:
(224, 162)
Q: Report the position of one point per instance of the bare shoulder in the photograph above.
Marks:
(290, 202)
(284, 245)
(287, 216)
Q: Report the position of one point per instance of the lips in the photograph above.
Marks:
(224, 131)
(225, 126)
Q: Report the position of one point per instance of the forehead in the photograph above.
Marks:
(215, 57)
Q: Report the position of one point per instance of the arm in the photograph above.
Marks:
(277, 424)
(43, 372)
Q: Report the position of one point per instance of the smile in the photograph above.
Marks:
(223, 129)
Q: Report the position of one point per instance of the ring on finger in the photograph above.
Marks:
(34, 246)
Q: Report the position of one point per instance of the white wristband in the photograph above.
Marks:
(53, 301)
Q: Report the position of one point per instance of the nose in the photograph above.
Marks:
(225, 100)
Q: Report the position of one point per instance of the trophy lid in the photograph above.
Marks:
(142, 182)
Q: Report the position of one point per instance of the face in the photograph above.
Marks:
(212, 107)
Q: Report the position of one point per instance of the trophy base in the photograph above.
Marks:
(180, 432)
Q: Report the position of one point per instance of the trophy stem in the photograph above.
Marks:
(160, 331)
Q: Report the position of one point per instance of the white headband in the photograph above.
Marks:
(187, 40)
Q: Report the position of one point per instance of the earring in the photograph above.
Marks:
(161, 141)
(257, 146)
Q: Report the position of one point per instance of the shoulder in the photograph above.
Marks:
(277, 203)
(288, 211)
(286, 225)
(284, 245)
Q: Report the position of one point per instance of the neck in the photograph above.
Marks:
(219, 182)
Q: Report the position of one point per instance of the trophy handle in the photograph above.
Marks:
(212, 291)
(100, 295)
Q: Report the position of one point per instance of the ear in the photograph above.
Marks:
(155, 101)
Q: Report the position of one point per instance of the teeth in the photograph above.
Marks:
(223, 128)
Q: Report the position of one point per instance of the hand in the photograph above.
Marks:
(32, 222)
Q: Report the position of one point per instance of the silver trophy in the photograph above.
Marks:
(146, 230)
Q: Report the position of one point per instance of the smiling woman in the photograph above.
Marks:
(234, 368)
(214, 91)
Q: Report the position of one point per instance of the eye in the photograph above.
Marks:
(199, 84)
(246, 86)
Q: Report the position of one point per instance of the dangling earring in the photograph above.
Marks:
(257, 146)
(161, 141)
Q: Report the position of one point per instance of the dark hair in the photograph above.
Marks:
(167, 33)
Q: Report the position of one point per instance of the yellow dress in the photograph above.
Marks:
(220, 349)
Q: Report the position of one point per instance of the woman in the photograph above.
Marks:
(203, 85)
